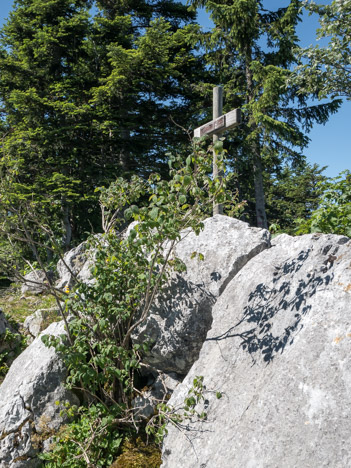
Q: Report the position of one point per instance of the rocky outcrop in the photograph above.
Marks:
(279, 353)
(182, 314)
(267, 326)
(28, 413)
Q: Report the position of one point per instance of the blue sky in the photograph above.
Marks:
(330, 143)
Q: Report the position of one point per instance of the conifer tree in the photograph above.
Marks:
(250, 52)
(292, 194)
(85, 100)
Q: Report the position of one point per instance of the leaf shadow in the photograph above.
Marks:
(260, 331)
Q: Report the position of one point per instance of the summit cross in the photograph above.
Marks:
(219, 124)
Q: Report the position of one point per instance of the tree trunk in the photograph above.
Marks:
(124, 156)
(261, 217)
(217, 112)
(67, 228)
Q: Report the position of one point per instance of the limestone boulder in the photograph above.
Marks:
(28, 410)
(76, 263)
(36, 282)
(182, 313)
(279, 354)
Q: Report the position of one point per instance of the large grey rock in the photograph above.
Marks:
(182, 314)
(28, 412)
(279, 351)
(36, 282)
(76, 263)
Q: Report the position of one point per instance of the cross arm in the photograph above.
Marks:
(221, 124)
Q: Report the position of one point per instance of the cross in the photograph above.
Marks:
(219, 124)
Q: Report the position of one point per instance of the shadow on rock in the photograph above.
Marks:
(285, 295)
(177, 326)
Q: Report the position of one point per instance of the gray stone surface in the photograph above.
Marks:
(74, 261)
(80, 261)
(279, 351)
(27, 402)
(181, 315)
(77, 264)
(36, 282)
(144, 405)
(35, 323)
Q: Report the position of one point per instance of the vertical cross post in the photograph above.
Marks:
(217, 112)
(219, 124)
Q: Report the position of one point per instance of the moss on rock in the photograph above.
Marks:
(137, 454)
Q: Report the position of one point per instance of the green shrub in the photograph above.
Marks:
(333, 214)
(129, 270)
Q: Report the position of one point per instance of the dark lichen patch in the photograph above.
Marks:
(42, 432)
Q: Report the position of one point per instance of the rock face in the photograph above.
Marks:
(182, 314)
(28, 413)
(267, 326)
(279, 352)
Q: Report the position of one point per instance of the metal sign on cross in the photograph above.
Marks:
(219, 124)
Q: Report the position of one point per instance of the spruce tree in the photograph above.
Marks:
(251, 51)
(45, 74)
(292, 194)
(87, 99)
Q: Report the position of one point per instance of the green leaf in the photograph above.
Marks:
(154, 213)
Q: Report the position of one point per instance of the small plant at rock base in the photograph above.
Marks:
(138, 453)
(42, 432)
(191, 409)
(92, 440)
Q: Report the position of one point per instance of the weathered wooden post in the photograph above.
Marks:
(218, 125)
(217, 111)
